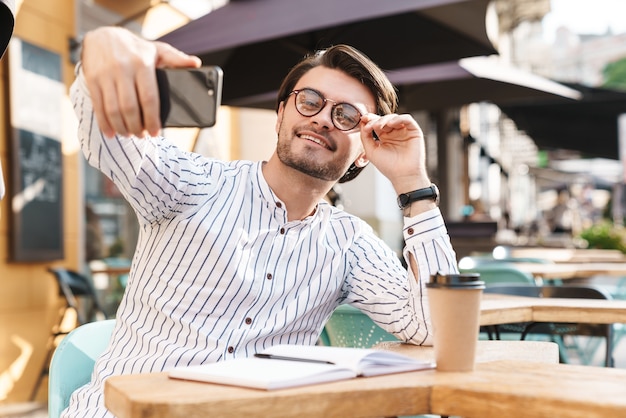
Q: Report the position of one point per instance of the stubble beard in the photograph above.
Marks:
(306, 163)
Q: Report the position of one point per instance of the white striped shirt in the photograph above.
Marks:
(220, 273)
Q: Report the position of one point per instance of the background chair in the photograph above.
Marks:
(350, 327)
(493, 272)
(603, 331)
(80, 296)
(514, 289)
(73, 361)
(557, 331)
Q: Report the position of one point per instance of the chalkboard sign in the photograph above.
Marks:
(37, 207)
(37, 160)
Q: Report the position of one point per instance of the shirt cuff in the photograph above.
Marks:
(424, 226)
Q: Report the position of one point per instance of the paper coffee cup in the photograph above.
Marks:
(455, 312)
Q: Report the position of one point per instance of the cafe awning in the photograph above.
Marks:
(256, 42)
(470, 80)
(588, 125)
(452, 84)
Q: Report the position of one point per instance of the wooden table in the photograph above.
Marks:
(572, 270)
(523, 390)
(568, 255)
(503, 309)
(531, 386)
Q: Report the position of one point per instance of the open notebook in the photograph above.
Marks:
(287, 365)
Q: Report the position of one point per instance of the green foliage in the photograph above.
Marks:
(117, 248)
(615, 75)
(605, 236)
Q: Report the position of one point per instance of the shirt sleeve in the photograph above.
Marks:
(158, 179)
(394, 297)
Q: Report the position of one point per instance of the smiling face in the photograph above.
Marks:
(313, 145)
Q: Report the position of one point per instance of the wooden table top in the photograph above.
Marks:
(507, 388)
(569, 255)
(502, 309)
(523, 385)
(573, 270)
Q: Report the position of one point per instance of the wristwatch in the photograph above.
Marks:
(427, 193)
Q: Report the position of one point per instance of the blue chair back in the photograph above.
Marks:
(350, 327)
(73, 361)
(498, 272)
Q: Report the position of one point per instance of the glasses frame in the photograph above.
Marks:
(335, 104)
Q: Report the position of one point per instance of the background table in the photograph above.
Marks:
(567, 271)
(503, 309)
(567, 255)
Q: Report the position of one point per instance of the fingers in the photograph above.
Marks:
(170, 57)
(390, 127)
(119, 69)
(116, 100)
(399, 153)
(101, 115)
(134, 104)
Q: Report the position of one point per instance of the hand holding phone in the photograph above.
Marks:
(189, 97)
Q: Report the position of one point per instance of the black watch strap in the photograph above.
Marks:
(427, 193)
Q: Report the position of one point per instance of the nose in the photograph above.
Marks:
(324, 117)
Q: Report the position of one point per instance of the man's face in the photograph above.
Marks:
(312, 144)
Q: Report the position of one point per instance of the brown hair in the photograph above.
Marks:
(355, 64)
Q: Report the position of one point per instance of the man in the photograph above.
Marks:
(7, 21)
(237, 256)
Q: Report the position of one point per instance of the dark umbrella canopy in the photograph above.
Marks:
(452, 84)
(256, 42)
(588, 125)
(469, 80)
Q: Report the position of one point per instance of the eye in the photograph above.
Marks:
(347, 116)
(309, 100)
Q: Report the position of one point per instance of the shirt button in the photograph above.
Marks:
(248, 321)
(269, 276)
(410, 231)
(279, 205)
(231, 349)
(282, 231)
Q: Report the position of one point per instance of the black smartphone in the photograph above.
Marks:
(189, 97)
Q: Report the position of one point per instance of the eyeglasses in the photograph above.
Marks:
(310, 102)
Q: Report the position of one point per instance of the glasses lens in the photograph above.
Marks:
(309, 102)
(346, 116)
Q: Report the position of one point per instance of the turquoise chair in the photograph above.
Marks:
(497, 272)
(474, 262)
(73, 361)
(349, 327)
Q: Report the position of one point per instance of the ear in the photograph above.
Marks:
(362, 160)
(279, 117)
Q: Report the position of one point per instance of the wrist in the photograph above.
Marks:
(430, 193)
(418, 207)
